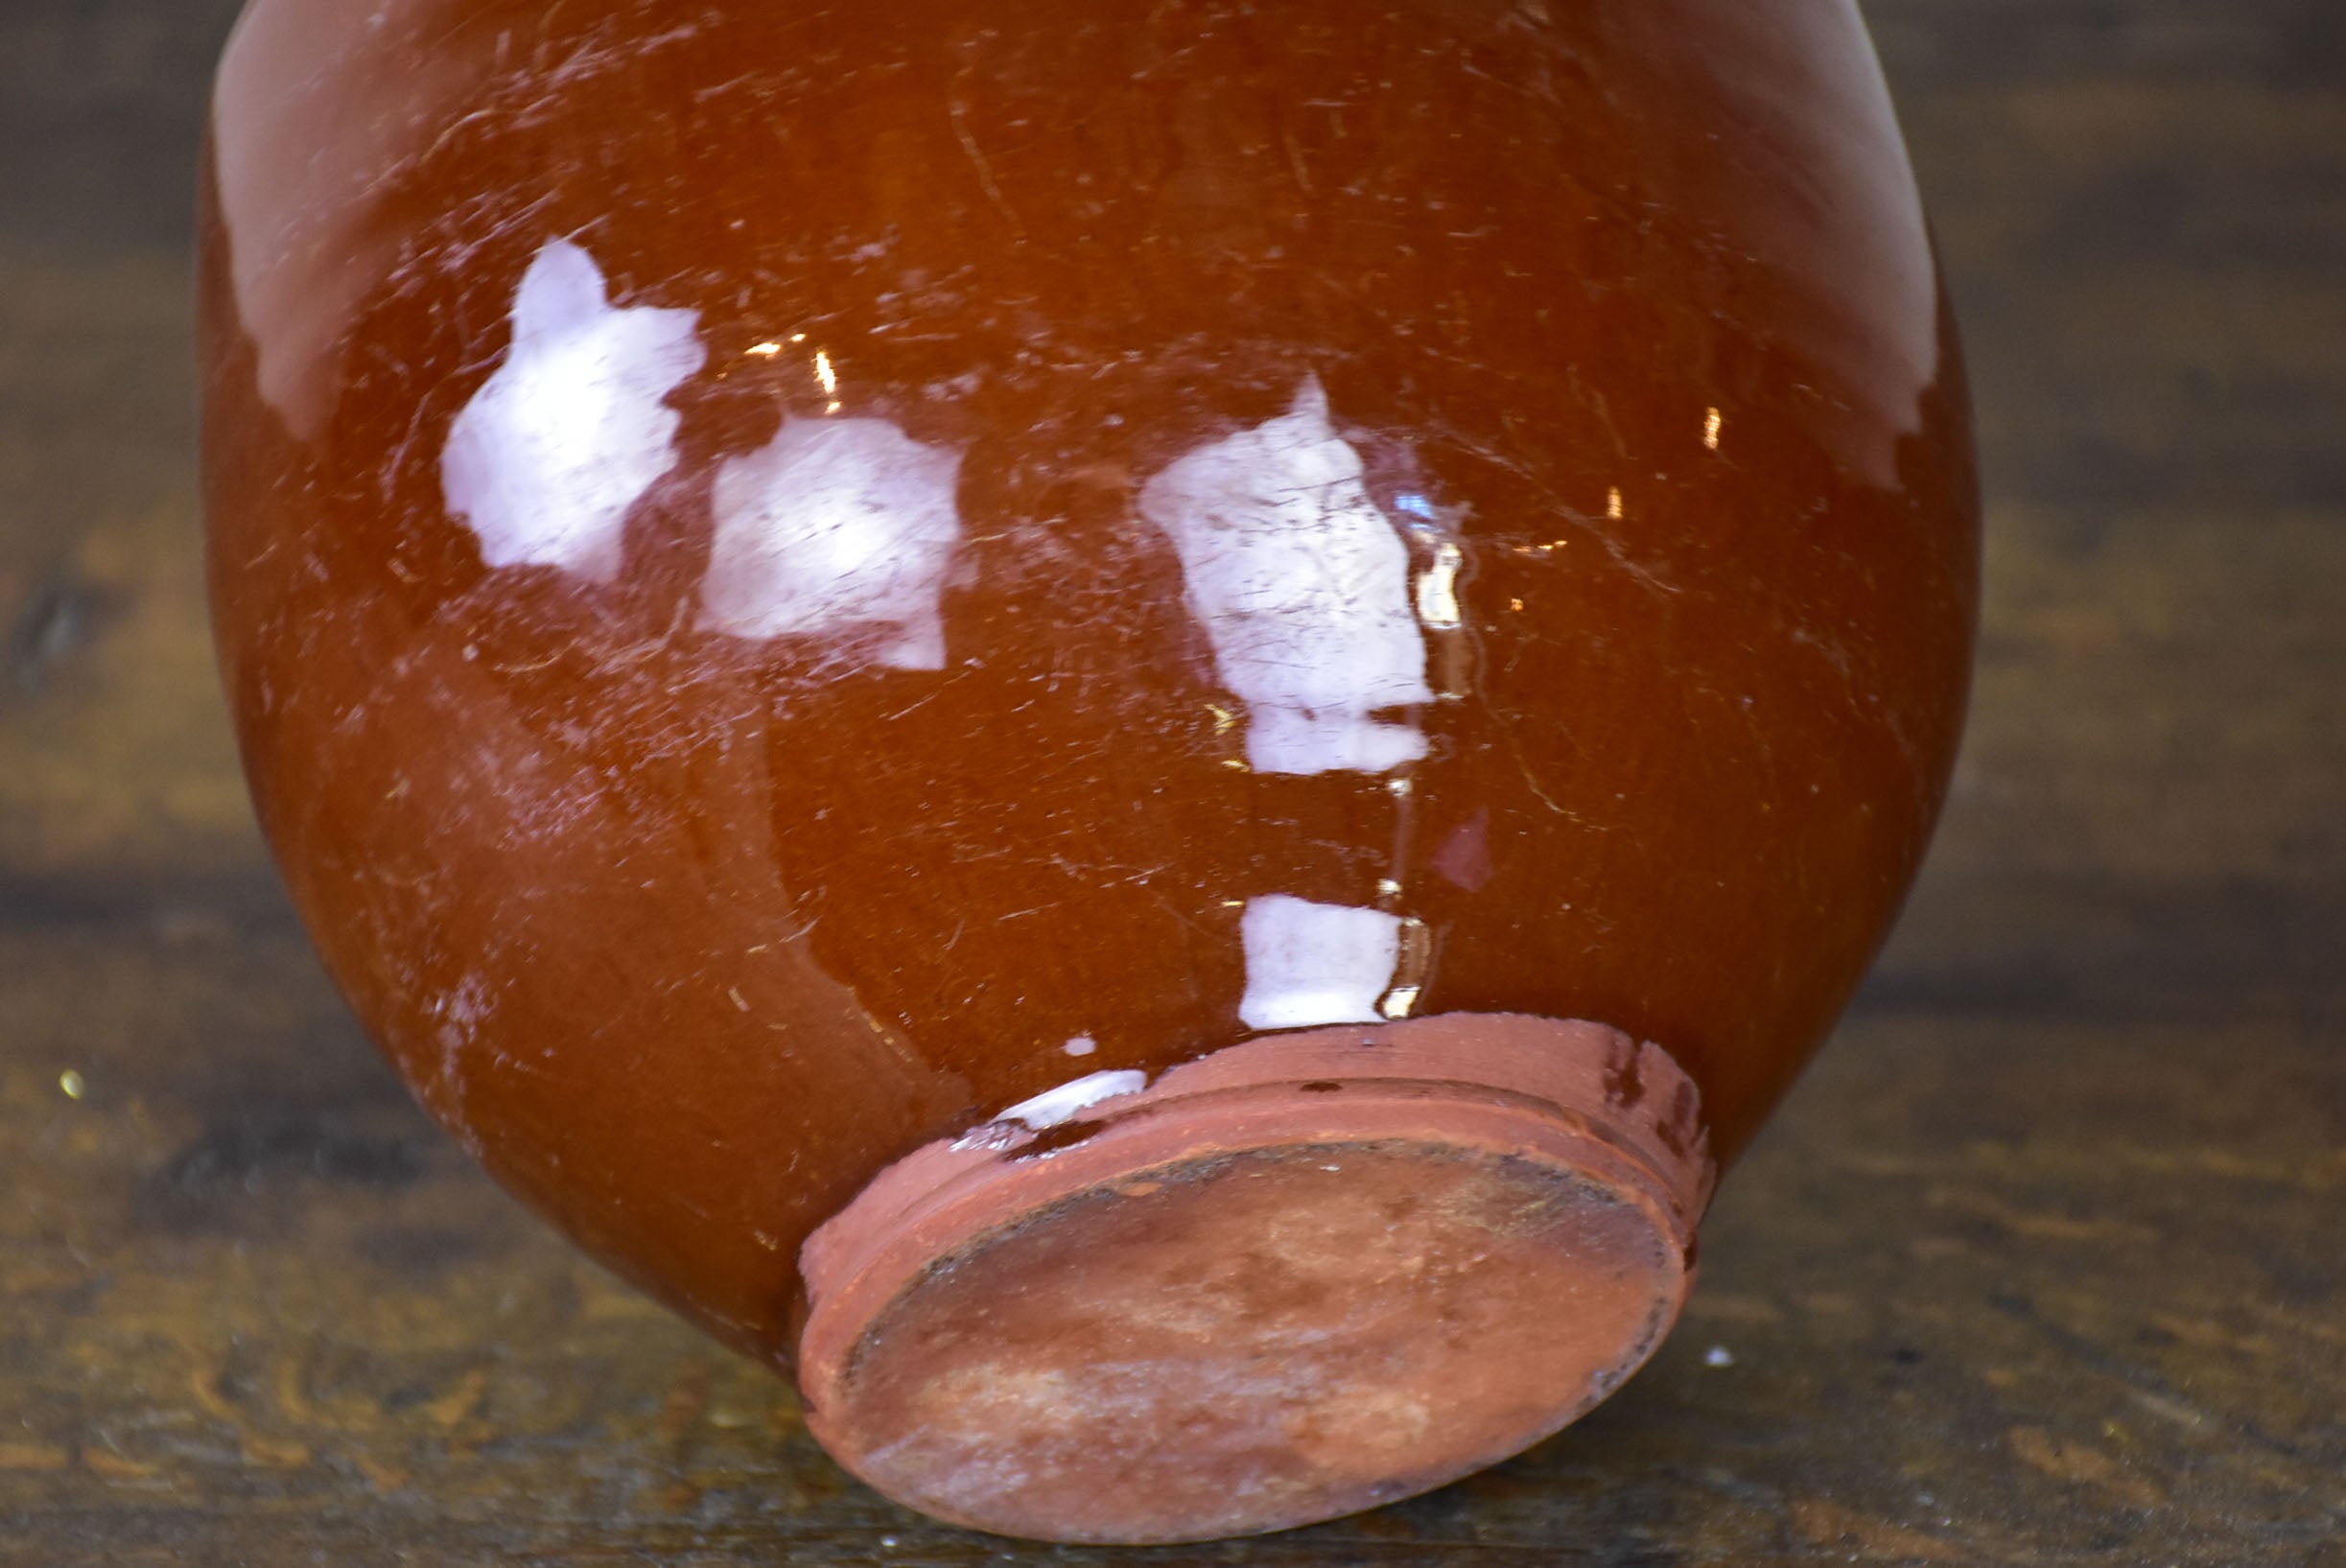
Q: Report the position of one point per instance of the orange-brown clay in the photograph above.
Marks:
(833, 608)
(1306, 1274)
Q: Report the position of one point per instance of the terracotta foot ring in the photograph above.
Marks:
(1303, 1277)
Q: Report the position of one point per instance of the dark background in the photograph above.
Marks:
(2045, 1263)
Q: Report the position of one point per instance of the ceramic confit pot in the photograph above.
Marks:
(1136, 731)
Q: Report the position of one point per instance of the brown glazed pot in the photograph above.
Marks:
(1134, 730)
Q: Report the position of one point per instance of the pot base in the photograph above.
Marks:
(1306, 1275)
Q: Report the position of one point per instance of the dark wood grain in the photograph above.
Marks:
(2044, 1263)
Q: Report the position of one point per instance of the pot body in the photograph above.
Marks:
(793, 577)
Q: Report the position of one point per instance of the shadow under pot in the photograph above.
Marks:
(1135, 733)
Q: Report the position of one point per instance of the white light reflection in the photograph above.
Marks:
(544, 461)
(1311, 964)
(1438, 589)
(1055, 1106)
(1399, 1002)
(837, 529)
(1303, 587)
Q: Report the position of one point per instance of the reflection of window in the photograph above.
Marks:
(843, 529)
(1311, 964)
(544, 461)
(1303, 585)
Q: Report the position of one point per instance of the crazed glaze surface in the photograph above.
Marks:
(794, 577)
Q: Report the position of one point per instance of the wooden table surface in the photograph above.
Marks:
(2044, 1263)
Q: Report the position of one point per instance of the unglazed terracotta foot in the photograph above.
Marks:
(1130, 732)
(1300, 1276)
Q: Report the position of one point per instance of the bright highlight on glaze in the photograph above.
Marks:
(544, 461)
(1438, 589)
(1055, 1106)
(1303, 585)
(839, 528)
(1311, 964)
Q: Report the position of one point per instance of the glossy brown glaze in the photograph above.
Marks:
(793, 577)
